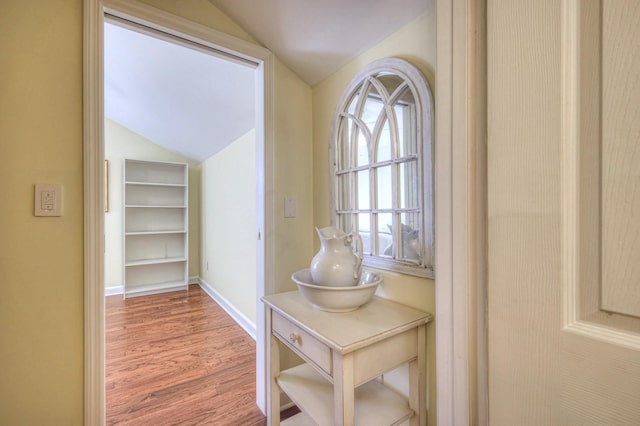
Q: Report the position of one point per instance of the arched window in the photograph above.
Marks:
(382, 166)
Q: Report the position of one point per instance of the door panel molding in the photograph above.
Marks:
(584, 239)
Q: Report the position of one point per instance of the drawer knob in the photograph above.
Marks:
(294, 338)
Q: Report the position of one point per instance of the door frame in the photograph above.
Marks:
(461, 188)
(93, 146)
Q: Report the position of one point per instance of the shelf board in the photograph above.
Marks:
(180, 185)
(143, 262)
(374, 403)
(143, 206)
(299, 419)
(143, 290)
(155, 232)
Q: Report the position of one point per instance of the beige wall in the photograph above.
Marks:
(41, 299)
(121, 143)
(228, 223)
(416, 42)
(293, 176)
(41, 259)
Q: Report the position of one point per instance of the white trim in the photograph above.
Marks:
(119, 289)
(445, 358)
(148, 16)
(93, 179)
(240, 318)
(265, 218)
(94, 10)
(114, 290)
(460, 218)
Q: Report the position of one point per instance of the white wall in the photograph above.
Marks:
(121, 143)
(228, 224)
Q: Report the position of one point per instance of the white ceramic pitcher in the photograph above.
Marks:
(336, 265)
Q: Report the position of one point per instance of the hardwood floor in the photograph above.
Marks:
(178, 359)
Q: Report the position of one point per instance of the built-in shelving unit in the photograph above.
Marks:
(155, 223)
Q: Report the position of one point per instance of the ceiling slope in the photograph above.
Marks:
(315, 38)
(187, 101)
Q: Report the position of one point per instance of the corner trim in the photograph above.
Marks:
(460, 152)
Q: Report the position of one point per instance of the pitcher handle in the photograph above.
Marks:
(357, 269)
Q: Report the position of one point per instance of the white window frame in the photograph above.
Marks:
(423, 128)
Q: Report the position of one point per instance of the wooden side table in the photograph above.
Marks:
(344, 352)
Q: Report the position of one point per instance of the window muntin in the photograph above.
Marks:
(382, 166)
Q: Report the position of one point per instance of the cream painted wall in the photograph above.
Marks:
(293, 176)
(416, 42)
(228, 223)
(41, 308)
(121, 143)
(41, 269)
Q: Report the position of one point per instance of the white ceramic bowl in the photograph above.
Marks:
(337, 299)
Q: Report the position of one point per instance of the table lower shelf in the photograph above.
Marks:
(375, 404)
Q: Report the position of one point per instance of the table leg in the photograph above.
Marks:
(343, 390)
(418, 381)
(273, 364)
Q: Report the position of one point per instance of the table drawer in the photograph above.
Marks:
(302, 342)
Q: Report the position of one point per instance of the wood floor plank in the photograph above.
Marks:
(177, 359)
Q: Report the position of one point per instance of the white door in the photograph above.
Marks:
(564, 212)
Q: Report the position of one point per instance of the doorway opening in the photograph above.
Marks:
(180, 145)
(167, 105)
(179, 31)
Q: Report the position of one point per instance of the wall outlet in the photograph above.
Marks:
(48, 200)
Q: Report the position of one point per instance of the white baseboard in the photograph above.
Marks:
(112, 291)
(119, 289)
(238, 316)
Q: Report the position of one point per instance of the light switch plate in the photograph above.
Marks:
(289, 207)
(48, 200)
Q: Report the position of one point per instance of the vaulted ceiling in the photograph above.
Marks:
(317, 37)
(187, 101)
(195, 103)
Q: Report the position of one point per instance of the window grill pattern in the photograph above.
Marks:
(382, 167)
